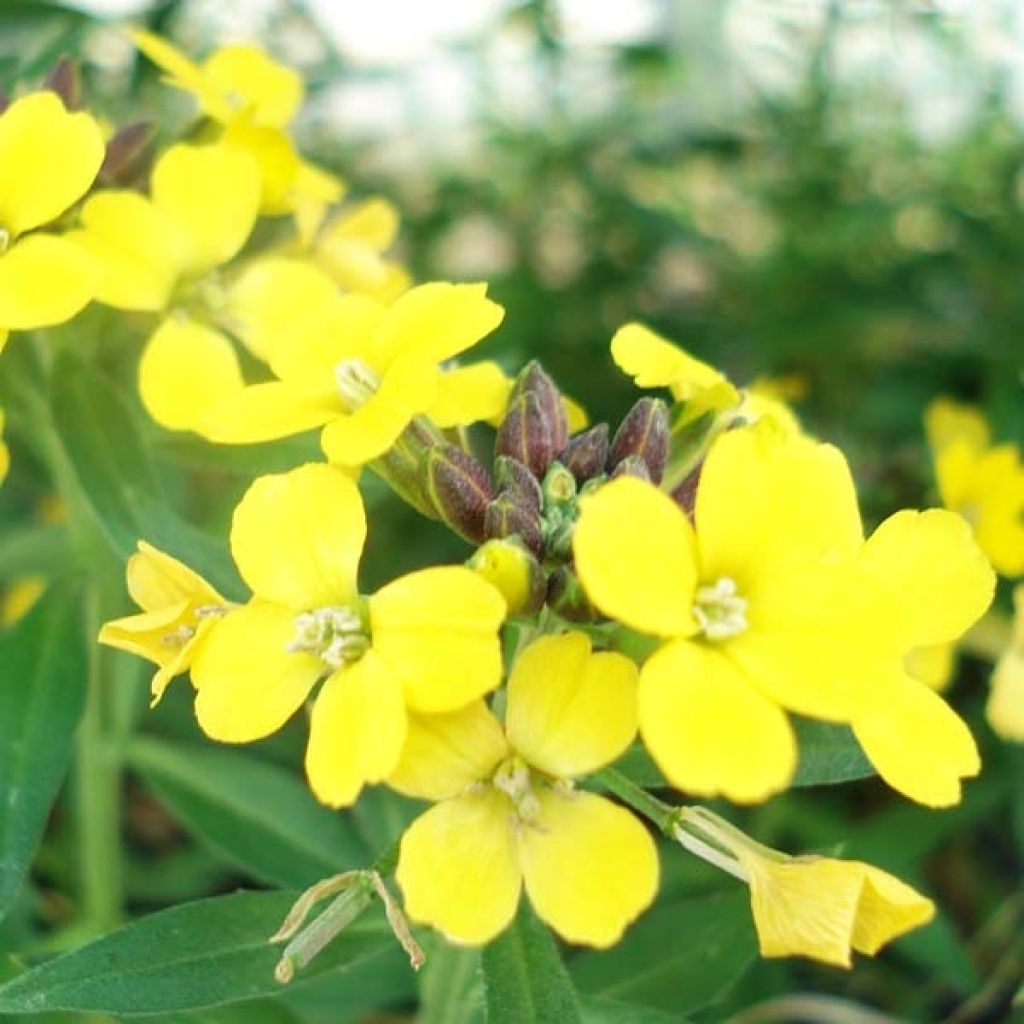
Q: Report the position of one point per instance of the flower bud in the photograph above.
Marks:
(633, 465)
(460, 490)
(509, 567)
(534, 380)
(588, 453)
(66, 81)
(685, 493)
(643, 433)
(507, 517)
(127, 155)
(559, 486)
(525, 434)
(567, 597)
(512, 475)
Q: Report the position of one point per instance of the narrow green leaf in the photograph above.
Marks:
(32, 549)
(525, 981)
(119, 479)
(829, 754)
(450, 985)
(192, 956)
(256, 814)
(41, 700)
(606, 1011)
(677, 958)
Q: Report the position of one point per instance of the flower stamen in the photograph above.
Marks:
(719, 610)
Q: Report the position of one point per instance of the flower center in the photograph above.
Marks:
(335, 634)
(185, 632)
(719, 610)
(514, 778)
(5, 240)
(356, 382)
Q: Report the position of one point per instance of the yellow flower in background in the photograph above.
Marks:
(254, 98)
(19, 597)
(49, 158)
(507, 814)
(933, 583)
(5, 454)
(179, 609)
(359, 369)
(162, 253)
(427, 641)
(654, 362)
(1005, 707)
(984, 483)
(762, 607)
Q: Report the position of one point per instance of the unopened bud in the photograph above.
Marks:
(567, 597)
(66, 81)
(559, 487)
(514, 572)
(534, 380)
(507, 517)
(512, 475)
(525, 434)
(128, 154)
(460, 490)
(685, 494)
(643, 433)
(632, 465)
(588, 453)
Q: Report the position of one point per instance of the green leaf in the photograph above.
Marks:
(678, 957)
(190, 957)
(34, 549)
(828, 754)
(256, 814)
(606, 1011)
(450, 985)
(41, 701)
(525, 981)
(118, 478)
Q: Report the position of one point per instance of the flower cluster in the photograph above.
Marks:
(690, 583)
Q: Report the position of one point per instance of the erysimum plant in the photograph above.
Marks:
(488, 756)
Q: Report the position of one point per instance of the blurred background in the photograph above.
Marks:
(824, 192)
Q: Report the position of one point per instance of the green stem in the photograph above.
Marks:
(664, 815)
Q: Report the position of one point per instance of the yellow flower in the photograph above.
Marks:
(984, 483)
(762, 607)
(161, 253)
(5, 455)
(179, 609)
(653, 362)
(1005, 708)
(933, 582)
(48, 160)
(508, 815)
(19, 597)
(359, 369)
(253, 98)
(932, 665)
(427, 641)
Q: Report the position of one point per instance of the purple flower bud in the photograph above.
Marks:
(534, 380)
(511, 475)
(508, 517)
(525, 434)
(128, 154)
(643, 433)
(588, 453)
(66, 81)
(567, 597)
(633, 465)
(460, 490)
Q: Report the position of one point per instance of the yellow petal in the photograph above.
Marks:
(766, 501)
(470, 394)
(271, 295)
(182, 72)
(48, 160)
(445, 754)
(408, 387)
(996, 506)
(138, 251)
(932, 666)
(212, 193)
(1005, 707)
(589, 866)
(297, 537)
(254, 84)
(653, 362)
(458, 867)
(249, 683)
(373, 221)
(437, 321)
(709, 729)
(938, 576)
(186, 370)
(635, 555)
(356, 732)
(575, 415)
(917, 742)
(276, 157)
(157, 581)
(823, 908)
(438, 629)
(956, 468)
(266, 412)
(570, 711)
(44, 280)
(946, 421)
